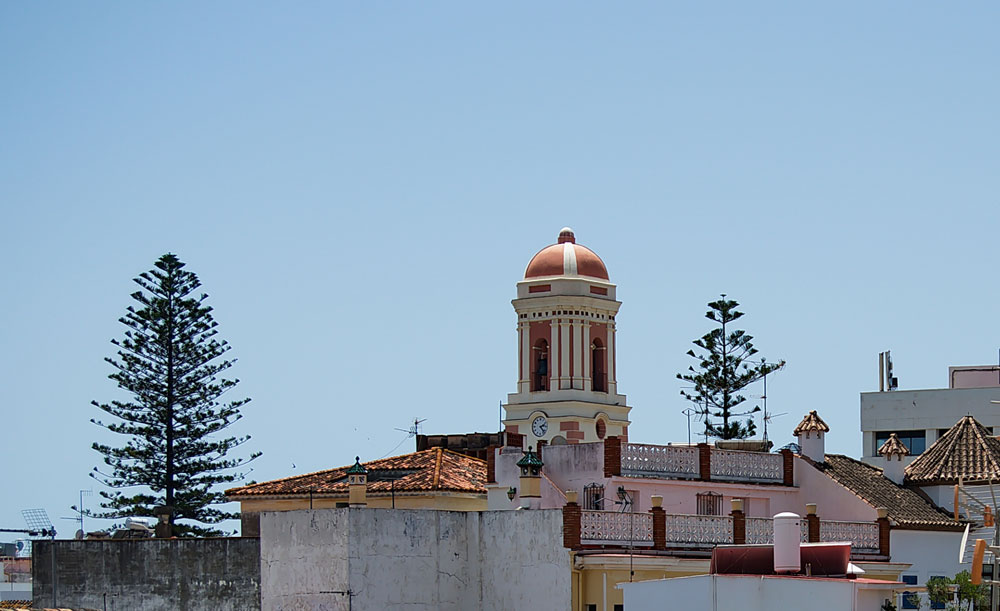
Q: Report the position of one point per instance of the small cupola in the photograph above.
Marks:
(531, 475)
(810, 433)
(357, 484)
(893, 451)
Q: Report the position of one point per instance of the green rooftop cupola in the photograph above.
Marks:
(530, 461)
(357, 468)
(531, 470)
(357, 484)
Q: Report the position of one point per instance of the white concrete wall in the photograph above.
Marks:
(413, 559)
(928, 410)
(930, 552)
(753, 593)
(303, 559)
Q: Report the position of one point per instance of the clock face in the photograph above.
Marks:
(539, 426)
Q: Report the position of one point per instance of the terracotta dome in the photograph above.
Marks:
(566, 258)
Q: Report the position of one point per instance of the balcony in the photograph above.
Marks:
(701, 462)
(658, 530)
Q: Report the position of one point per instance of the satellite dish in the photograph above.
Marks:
(79, 534)
(961, 548)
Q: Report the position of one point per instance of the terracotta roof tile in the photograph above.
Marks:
(893, 447)
(812, 422)
(967, 450)
(907, 508)
(432, 470)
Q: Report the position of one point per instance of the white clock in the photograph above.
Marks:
(539, 426)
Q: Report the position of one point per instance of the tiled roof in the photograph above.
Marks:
(907, 508)
(967, 450)
(893, 447)
(812, 422)
(15, 604)
(432, 470)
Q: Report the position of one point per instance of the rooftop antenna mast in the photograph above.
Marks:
(414, 429)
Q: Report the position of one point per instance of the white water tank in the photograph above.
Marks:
(787, 535)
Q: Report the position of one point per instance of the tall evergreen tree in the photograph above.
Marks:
(724, 369)
(170, 362)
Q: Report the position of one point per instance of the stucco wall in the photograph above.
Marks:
(413, 559)
(754, 593)
(927, 410)
(929, 552)
(150, 575)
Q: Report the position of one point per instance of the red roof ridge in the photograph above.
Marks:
(437, 469)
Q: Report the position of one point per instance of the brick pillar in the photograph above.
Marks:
(659, 523)
(571, 525)
(705, 461)
(538, 449)
(812, 523)
(739, 522)
(883, 531)
(491, 465)
(612, 456)
(788, 469)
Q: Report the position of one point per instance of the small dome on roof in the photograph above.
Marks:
(566, 258)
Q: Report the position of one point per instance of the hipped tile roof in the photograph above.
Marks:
(811, 422)
(968, 450)
(893, 447)
(432, 470)
(907, 508)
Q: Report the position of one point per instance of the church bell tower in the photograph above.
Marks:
(567, 391)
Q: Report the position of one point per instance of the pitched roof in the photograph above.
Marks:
(907, 508)
(811, 422)
(893, 447)
(432, 470)
(968, 450)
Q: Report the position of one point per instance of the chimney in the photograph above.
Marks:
(530, 480)
(893, 451)
(357, 484)
(810, 433)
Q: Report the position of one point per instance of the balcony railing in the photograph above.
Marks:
(698, 531)
(740, 465)
(616, 528)
(664, 461)
(862, 535)
(702, 462)
(662, 531)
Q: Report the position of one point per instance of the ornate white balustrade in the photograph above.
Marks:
(668, 461)
(862, 535)
(761, 530)
(612, 527)
(698, 531)
(747, 466)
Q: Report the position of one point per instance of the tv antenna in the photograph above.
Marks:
(414, 429)
(79, 509)
(763, 398)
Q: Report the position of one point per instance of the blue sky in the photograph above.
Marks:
(359, 187)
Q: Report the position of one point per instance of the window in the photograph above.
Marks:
(598, 372)
(915, 441)
(591, 607)
(709, 504)
(907, 601)
(593, 496)
(619, 607)
(540, 366)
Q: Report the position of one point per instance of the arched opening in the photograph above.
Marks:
(598, 367)
(558, 440)
(540, 366)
